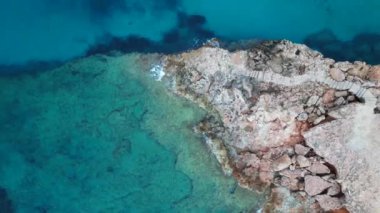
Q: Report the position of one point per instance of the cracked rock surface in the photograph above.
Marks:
(284, 118)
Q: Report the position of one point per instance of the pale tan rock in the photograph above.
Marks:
(303, 116)
(281, 163)
(359, 70)
(265, 165)
(319, 120)
(250, 171)
(374, 73)
(341, 93)
(285, 182)
(318, 168)
(337, 74)
(329, 96)
(315, 185)
(301, 150)
(303, 161)
(295, 174)
(266, 177)
(250, 159)
(328, 203)
(290, 183)
(340, 101)
(351, 98)
(322, 109)
(313, 100)
(334, 189)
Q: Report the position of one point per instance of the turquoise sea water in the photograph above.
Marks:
(96, 135)
(46, 30)
(101, 136)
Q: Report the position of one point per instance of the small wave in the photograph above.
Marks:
(157, 72)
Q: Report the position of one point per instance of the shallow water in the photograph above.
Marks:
(100, 135)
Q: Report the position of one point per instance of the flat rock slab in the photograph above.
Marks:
(318, 168)
(281, 163)
(315, 185)
(351, 144)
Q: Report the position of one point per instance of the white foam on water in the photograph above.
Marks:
(157, 72)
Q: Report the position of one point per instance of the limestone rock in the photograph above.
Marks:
(266, 177)
(334, 189)
(351, 98)
(265, 165)
(290, 183)
(319, 168)
(328, 203)
(281, 163)
(251, 160)
(319, 120)
(301, 150)
(303, 116)
(337, 74)
(315, 185)
(329, 96)
(360, 71)
(313, 100)
(293, 174)
(340, 101)
(374, 73)
(341, 93)
(303, 161)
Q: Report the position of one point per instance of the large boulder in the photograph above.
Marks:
(351, 144)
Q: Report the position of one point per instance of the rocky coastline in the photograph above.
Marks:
(283, 119)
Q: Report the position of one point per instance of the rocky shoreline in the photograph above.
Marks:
(286, 120)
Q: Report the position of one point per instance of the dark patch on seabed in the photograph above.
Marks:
(189, 33)
(363, 47)
(5, 202)
(33, 67)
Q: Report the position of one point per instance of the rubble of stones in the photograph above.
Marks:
(317, 107)
(298, 169)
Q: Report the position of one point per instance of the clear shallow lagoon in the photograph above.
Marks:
(101, 135)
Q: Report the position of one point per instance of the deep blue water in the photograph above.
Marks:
(99, 136)
(47, 30)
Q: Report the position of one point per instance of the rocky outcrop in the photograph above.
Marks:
(276, 111)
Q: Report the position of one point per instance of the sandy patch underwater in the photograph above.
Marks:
(99, 135)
